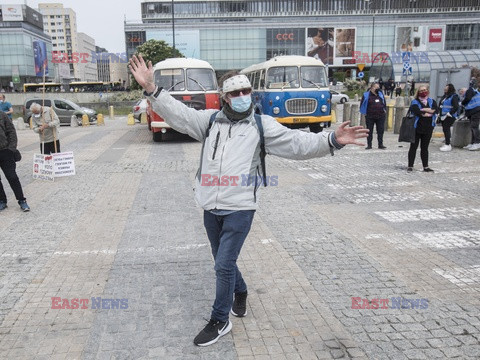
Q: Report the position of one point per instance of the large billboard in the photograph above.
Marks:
(40, 57)
(12, 13)
(186, 41)
(344, 42)
(320, 44)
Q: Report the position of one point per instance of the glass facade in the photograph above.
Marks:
(16, 52)
(463, 36)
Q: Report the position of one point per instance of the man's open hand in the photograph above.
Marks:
(350, 135)
(142, 73)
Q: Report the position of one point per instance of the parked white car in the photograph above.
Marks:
(339, 97)
(139, 108)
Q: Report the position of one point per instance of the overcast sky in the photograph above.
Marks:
(100, 19)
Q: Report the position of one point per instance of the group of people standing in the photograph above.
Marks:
(427, 114)
(46, 123)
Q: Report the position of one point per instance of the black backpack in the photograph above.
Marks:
(263, 153)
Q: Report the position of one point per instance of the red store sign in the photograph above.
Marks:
(435, 35)
(285, 37)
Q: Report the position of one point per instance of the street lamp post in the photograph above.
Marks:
(173, 27)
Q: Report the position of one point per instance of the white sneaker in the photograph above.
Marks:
(475, 147)
(446, 148)
(468, 146)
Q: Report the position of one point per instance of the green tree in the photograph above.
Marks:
(154, 51)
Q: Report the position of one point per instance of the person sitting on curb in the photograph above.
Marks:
(471, 102)
(448, 109)
(8, 144)
(374, 107)
(232, 149)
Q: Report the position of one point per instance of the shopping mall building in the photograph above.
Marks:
(342, 33)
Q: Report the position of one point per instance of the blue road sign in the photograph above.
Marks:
(361, 74)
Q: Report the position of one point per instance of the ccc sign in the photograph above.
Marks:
(285, 37)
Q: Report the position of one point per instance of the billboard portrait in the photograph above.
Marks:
(344, 42)
(404, 39)
(40, 57)
(320, 44)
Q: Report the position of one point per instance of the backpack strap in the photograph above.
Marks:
(263, 153)
(210, 123)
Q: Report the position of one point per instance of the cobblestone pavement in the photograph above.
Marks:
(349, 256)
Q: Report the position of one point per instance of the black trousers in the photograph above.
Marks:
(8, 166)
(424, 141)
(380, 124)
(474, 122)
(49, 148)
(446, 124)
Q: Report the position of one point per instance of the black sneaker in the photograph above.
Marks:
(427, 169)
(369, 147)
(382, 147)
(212, 332)
(409, 169)
(239, 306)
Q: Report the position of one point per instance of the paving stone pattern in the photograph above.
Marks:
(349, 256)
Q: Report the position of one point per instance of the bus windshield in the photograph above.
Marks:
(282, 77)
(170, 79)
(201, 79)
(313, 76)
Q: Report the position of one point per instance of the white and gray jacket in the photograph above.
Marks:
(230, 154)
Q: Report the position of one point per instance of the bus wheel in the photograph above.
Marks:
(157, 136)
(315, 128)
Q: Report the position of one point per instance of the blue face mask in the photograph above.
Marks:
(241, 103)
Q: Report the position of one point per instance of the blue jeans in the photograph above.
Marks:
(227, 235)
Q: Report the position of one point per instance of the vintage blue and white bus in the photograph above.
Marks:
(292, 89)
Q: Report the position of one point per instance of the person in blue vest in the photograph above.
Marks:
(6, 107)
(471, 102)
(448, 113)
(374, 107)
(424, 108)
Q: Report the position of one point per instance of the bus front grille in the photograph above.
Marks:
(301, 106)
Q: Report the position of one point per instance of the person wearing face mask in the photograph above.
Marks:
(231, 153)
(448, 113)
(46, 124)
(6, 107)
(471, 102)
(374, 107)
(424, 108)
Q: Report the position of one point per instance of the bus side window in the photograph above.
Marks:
(256, 80)
(262, 80)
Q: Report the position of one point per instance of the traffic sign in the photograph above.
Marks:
(406, 56)
(361, 74)
(361, 66)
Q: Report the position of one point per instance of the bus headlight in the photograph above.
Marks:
(324, 108)
(276, 110)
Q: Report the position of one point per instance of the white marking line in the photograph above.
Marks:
(461, 276)
(106, 251)
(436, 240)
(374, 184)
(428, 214)
(398, 197)
(266, 241)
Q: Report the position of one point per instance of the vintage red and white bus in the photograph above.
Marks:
(191, 81)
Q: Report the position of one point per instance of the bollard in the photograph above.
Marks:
(390, 116)
(143, 118)
(100, 120)
(333, 113)
(85, 121)
(354, 114)
(73, 121)
(31, 123)
(355, 98)
(346, 111)
(363, 121)
(111, 113)
(20, 124)
(130, 119)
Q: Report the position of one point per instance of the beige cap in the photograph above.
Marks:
(236, 82)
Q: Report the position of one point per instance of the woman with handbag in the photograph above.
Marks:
(424, 109)
(448, 112)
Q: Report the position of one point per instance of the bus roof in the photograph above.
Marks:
(285, 60)
(175, 63)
